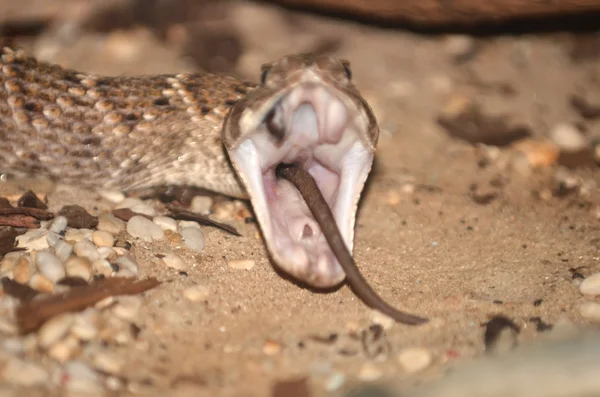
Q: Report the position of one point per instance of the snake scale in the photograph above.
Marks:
(210, 131)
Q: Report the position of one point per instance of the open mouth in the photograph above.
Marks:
(323, 132)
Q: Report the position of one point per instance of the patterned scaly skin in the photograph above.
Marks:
(117, 132)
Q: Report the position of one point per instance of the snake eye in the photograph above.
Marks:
(347, 70)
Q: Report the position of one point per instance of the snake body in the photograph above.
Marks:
(210, 131)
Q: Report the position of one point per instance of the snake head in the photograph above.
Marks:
(305, 112)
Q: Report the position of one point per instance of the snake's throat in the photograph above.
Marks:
(319, 132)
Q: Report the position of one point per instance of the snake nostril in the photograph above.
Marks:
(307, 232)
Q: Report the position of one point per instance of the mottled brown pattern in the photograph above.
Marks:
(118, 132)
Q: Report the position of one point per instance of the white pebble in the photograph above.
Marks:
(201, 205)
(103, 267)
(59, 224)
(103, 239)
(196, 293)
(183, 224)
(81, 378)
(174, 261)
(84, 327)
(127, 307)
(75, 235)
(241, 264)
(369, 372)
(126, 263)
(144, 229)
(459, 46)
(79, 267)
(85, 248)
(49, 265)
(107, 362)
(590, 285)
(114, 196)
(63, 250)
(24, 373)
(165, 223)
(106, 253)
(568, 138)
(54, 330)
(41, 283)
(64, 350)
(590, 311)
(381, 319)
(193, 238)
(335, 381)
(128, 202)
(414, 359)
(137, 205)
(107, 222)
(53, 238)
(33, 239)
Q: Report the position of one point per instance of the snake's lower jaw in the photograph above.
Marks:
(315, 130)
(292, 236)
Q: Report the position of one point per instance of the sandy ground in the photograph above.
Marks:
(423, 239)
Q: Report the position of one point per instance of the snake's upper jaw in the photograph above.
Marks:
(324, 131)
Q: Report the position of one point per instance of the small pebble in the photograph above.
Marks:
(144, 229)
(414, 359)
(568, 138)
(127, 307)
(63, 250)
(80, 378)
(106, 253)
(183, 224)
(193, 238)
(114, 196)
(174, 261)
(103, 239)
(137, 205)
(335, 381)
(10, 261)
(201, 205)
(23, 271)
(242, 264)
(460, 47)
(54, 330)
(107, 362)
(86, 249)
(125, 263)
(271, 347)
(369, 372)
(196, 293)
(590, 311)
(59, 224)
(52, 238)
(75, 235)
(65, 349)
(590, 285)
(23, 373)
(79, 267)
(107, 222)
(103, 267)
(84, 327)
(41, 283)
(379, 318)
(165, 223)
(49, 265)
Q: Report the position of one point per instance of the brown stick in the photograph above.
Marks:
(31, 315)
(309, 190)
(437, 12)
